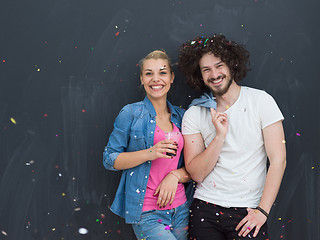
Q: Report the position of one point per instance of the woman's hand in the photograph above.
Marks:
(167, 189)
(220, 122)
(160, 149)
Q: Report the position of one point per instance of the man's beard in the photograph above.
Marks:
(220, 91)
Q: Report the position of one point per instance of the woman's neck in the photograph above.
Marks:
(160, 106)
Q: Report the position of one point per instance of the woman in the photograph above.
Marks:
(150, 195)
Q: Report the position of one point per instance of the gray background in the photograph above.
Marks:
(65, 73)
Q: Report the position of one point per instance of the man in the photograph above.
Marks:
(229, 134)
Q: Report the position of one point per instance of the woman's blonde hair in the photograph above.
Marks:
(157, 54)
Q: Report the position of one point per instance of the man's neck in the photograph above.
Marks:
(229, 98)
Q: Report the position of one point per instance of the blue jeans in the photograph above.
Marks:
(163, 224)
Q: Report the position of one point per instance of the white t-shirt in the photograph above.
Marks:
(238, 178)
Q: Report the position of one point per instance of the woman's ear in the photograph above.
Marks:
(172, 77)
(141, 80)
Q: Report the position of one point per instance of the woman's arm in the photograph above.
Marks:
(168, 187)
(127, 160)
(115, 156)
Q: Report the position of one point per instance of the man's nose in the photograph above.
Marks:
(214, 74)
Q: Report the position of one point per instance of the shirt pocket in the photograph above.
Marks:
(137, 141)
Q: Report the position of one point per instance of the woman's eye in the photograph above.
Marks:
(148, 73)
(163, 73)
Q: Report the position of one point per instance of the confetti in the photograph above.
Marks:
(83, 231)
(283, 141)
(13, 120)
(77, 209)
(4, 233)
(167, 228)
(159, 220)
(138, 191)
(298, 134)
(117, 33)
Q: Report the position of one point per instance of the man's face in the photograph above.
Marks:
(215, 73)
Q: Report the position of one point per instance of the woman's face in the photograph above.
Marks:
(156, 77)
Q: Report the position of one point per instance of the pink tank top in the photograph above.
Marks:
(160, 167)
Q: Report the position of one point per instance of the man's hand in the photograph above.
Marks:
(220, 122)
(254, 219)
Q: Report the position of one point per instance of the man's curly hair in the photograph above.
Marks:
(234, 55)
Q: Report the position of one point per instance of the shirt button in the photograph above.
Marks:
(151, 121)
(146, 176)
(151, 132)
(142, 190)
(149, 161)
(140, 204)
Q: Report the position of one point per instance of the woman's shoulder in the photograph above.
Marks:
(136, 108)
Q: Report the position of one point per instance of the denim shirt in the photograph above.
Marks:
(133, 131)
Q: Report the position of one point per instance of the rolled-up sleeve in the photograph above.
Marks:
(119, 138)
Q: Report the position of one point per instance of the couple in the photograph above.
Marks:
(228, 133)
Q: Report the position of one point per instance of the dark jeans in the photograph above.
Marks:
(210, 221)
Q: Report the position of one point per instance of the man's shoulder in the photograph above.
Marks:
(252, 91)
(195, 110)
(254, 95)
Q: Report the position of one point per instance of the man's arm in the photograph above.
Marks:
(275, 147)
(200, 161)
(273, 136)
